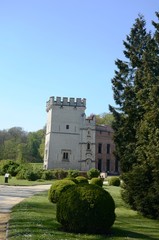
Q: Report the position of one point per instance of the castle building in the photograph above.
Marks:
(70, 137)
(75, 142)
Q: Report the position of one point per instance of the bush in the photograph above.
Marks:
(59, 173)
(33, 175)
(21, 174)
(72, 179)
(86, 208)
(97, 181)
(73, 173)
(22, 170)
(141, 190)
(81, 179)
(47, 175)
(9, 166)
(92, 173)
(114, 181)
(57, 188)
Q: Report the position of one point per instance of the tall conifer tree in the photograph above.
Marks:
(124, 86)
(136, 125)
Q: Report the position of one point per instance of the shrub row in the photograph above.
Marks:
(26, 171)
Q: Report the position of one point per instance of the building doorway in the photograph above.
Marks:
(100, 165)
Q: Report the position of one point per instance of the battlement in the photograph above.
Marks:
(58, 101)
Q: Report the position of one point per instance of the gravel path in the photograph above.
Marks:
(10, 196)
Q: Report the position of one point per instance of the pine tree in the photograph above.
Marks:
(147, 150)
(136, 122)
(127, 114)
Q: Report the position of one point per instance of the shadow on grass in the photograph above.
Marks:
(49, 228)
(116, 232)
(35, 219)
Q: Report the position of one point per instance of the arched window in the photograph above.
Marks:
(88, 146)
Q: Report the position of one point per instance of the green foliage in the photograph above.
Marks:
(126, 85)
(21, 174)
(33, 175)
(81, 179)
(29, 172)
(98, 181)
(86, 208)
(34, 141)
(60, 173)
(9, 166)
(141, 192)
(16, 144)
(114, 181)
(93, 172)
(73, 173)
(72, 179)
(47, 175)
(104, 119)
(136, 118)
(57, 188)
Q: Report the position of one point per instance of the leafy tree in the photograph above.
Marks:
(42, 148)
(22, 153)
(9, 149)
(104, 119)
(16, 144)
(34, 142)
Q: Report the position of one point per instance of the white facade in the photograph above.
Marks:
(70, 137)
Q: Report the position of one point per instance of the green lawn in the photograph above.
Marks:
(35, 218)
(14, 182)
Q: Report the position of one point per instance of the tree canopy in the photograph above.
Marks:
(16, 144)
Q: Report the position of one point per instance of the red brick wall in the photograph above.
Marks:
(104, 154)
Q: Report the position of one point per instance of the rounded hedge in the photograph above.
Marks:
(93, 172)
(114, 181)
(97, 181)
(57, 188)
(81, 179)
(86, 208)
(72, 179)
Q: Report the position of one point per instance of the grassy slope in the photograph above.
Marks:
(35, 218)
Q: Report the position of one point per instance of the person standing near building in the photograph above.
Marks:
(6, 176)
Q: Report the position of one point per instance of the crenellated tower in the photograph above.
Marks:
(70, 136)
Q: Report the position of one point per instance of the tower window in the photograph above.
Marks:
(65, 155)
(88, 146)
(67, 126)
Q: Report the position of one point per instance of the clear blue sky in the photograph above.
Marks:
(63, 48)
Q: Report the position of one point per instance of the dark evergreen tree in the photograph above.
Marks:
(128, 113)
(136, 125)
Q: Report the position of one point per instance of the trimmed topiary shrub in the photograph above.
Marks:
(92, 173)
(72, 179)
(81, 179)
(73, 173)
(86, 208)
(57, 188)
(114, 181)
(97, 181)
